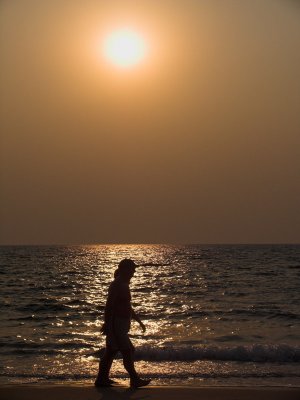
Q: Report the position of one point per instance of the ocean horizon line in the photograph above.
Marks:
(152, 244)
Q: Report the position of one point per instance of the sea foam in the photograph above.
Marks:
(251, 353)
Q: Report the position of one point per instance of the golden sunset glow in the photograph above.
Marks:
(124, 48)
(137, 121)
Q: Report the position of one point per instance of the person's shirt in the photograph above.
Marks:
(118, 300)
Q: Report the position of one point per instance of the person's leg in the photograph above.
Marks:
(129, 364)
(104, 366)
(127, 349)
(135, 380)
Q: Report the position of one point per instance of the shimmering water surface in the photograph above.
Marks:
(215, 315)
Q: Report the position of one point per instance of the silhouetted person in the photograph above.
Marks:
(117, 316)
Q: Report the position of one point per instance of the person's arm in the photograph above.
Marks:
(138, 319)
(109, 308)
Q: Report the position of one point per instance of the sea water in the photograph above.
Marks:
(215, 315)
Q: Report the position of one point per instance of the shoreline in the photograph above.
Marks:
(58, 391)
(156, 386)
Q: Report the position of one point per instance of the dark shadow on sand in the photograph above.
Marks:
(122, 393)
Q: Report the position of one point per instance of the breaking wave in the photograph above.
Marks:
(251, 353)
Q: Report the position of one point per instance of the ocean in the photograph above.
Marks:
(216, 315)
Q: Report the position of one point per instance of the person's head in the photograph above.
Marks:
(126, 269)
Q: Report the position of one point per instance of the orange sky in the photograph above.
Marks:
(198, 144)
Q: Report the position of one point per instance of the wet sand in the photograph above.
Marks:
(80, 392)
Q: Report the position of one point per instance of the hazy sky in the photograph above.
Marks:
(200, 143)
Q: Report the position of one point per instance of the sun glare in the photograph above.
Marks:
(124, 48)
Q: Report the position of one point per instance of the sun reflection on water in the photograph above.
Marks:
(190, 299)
(154, 295)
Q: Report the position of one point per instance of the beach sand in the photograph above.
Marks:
(77, 392)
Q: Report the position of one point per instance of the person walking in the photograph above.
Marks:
(117, 318)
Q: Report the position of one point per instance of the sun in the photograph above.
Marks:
(124, 48)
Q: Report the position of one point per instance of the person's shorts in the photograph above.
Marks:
(117, 338)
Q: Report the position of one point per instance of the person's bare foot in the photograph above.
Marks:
(136, 383)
